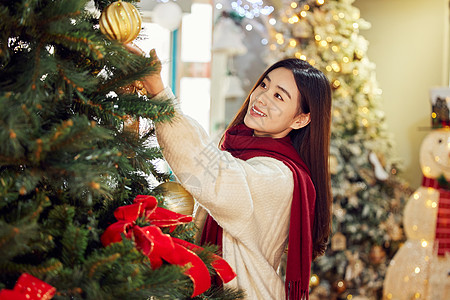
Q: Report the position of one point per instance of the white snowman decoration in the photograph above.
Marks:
(417, 271)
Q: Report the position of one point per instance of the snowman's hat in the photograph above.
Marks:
(440, 104)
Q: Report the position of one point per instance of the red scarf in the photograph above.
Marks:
(239, 141)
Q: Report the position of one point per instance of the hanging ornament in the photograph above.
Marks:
(233, 87)
(177, 198)
(377, 255)
(340, 286)
(131, 124)
(314, 280)
(228, 38)
(168, 15)
(120, 21)
(135, 87)
(338, 242)
(354, 267)
(380, 172)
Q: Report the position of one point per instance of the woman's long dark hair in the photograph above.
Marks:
(312, 142)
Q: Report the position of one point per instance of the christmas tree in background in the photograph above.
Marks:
(368, 195)
(70, 156)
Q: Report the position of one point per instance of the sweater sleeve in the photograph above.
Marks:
(233, 191)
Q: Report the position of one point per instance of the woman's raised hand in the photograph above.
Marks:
(153, 82)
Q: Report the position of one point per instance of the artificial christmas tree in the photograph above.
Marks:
(67, 163)
(368, 196)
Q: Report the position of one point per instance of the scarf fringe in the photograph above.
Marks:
(294, 291)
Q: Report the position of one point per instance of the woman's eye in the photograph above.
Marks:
(279, 96)
(263, 84)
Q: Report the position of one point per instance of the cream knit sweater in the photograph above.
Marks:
(250, 200)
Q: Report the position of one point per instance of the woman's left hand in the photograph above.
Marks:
(153, 83)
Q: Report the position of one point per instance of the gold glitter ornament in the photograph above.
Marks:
(338, 242)
(177, 198)
(120, 21)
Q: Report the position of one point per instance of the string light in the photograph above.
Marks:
(294, 19)
(303, 14)
(424, 243)
(336, 83)
(294, 5)
(335, 67)
(251, 8)
(320, 2)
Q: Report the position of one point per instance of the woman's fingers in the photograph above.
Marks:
(134, 49)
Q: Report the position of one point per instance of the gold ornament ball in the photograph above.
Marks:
(340, 286)
(120, 21)
(177, 198)
(314, 280)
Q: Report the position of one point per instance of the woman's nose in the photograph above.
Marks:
(261, 98)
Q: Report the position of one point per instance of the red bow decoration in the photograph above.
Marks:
(28, 288)
(159, 246)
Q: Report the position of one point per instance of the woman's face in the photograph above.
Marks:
(274, 105)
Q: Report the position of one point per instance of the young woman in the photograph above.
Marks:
(268, 185)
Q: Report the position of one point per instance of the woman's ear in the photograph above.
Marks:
(301, 121)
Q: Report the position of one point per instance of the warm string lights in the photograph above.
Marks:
(249, 9)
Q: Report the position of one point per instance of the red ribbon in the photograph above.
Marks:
(28, 288)
(158, 246)
(442, 236)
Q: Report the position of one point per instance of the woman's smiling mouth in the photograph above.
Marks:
(259, 113)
